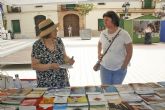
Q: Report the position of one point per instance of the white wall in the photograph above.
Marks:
(27, 22)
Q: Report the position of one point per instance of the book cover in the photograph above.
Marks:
(77, 91)
(162, 83)
(14, 101)
(20, 93)
(109, 89)
(142, 88)
(153, 85)
(52, 92)
(113, 98)
(139, 106)
(60, 107)
(130, 98)
(78, 108)
(35, 94)
(93, 90)
(46, 102)
(98, 107)
(158, 106)
(150, 99)
(125, 88)
(160, 92)
(97, 99)
(77, 101)
(60, 99)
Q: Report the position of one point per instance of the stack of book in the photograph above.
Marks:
(36, 93)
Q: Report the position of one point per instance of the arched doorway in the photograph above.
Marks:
(37, 20)
(73, 21)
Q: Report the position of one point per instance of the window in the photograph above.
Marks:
(100, 3)
(12, 9)
(101, 25)
(38, 6)
(68, 7)
(16, 26)
(148, 4)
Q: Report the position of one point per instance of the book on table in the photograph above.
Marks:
(29, 104)
(77, 101)
(12, 101)
(60, 99)
(93, 90)
(60, 107)
(77, 91)
(97, 99)
(109, 89)
(46, 103)
(125, 88)
(131, 98)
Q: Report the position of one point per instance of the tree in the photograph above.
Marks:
(84, 9)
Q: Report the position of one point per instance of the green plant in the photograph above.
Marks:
(84, 9)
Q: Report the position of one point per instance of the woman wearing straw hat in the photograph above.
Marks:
(47, 54)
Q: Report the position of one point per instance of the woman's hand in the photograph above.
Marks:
(71, 61)
(100, 56)
(54, 66)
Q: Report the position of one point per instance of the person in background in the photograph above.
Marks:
(114, 64)
(70, 31)
(148, 34)
(48, 53)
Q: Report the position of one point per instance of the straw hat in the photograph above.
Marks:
(46, 27)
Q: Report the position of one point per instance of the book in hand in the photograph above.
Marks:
(93, 90)
(60, 107)
(29, 104)
(110, 89)
(131, 98)
(66, 66)
(77, 101)
(61, 99)
(77, 91)
(96, 99)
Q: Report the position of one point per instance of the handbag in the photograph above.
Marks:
(96, 67)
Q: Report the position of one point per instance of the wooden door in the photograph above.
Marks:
(73, 21)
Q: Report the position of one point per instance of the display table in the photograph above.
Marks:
(135, 96)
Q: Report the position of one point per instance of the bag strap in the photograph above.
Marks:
(110, 44)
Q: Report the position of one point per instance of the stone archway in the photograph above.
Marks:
(73, 21)
(37, 20)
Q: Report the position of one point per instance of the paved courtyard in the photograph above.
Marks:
(147, 64)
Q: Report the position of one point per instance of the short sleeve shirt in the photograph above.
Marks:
(116, 54)
(50, 78)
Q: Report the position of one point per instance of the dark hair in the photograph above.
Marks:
(115, 18)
